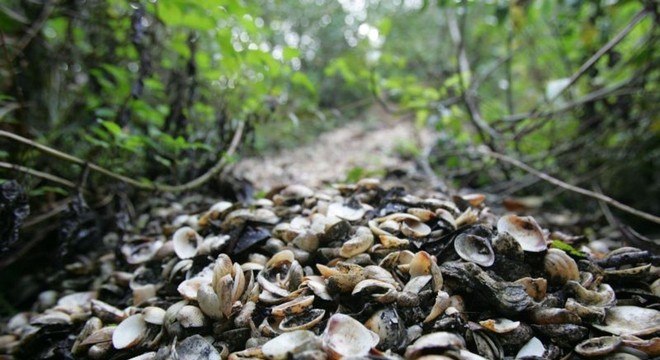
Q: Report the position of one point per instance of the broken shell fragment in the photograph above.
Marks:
(196, 347)
(294, 306)
(500, 326)
(302, 321)
(533, 348)
(536, 288)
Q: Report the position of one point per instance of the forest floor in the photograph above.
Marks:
(376, 145)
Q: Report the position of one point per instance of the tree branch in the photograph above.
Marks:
(39, 174)
(139, 185)
(585, 67)
(543, 176)
(486, 133)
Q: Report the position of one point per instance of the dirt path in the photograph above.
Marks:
(375, 147)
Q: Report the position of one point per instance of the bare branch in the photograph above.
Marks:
(140, 185)
(584, 68)
(543, 176)
(486, 132)
(39, 174)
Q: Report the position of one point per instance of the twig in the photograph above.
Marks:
(596, 95)
(39, 174)
(63, 205)
(584, 68)
(140, 185)
(606, 199)
(486, 133)
(602, 51)
(605, 209)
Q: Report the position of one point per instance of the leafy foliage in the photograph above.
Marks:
(155, 89)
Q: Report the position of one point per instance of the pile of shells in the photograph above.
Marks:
(352, 271)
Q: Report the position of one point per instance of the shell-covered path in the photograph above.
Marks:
(372, 147)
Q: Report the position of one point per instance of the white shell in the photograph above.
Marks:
(345, 336)
(154, 315)
(434, 340)
(474, 248)
(191, 316)
(289, 343)
(129, 332)
(414, 228)
(358, 244)
(525, 230)
(345, 212)
(534, 347)
(186, 241)
(500, 326)
(630, 320)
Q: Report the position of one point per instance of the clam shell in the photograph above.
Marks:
(129, 332)
(598, 346)
(154, 315)
(414, 228)
(345, 212)
(358, 244)
(345, 336)
(560, 267)
(290, 343)
(525, 230)
(186, 241)
(630, 320)
(191, 317)
(209, 302)
(438, 341)
(474, 248)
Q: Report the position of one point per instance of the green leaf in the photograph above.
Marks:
(558, 244)
(112, 127)
(300, 79)
(42, 190)
(355, 174)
